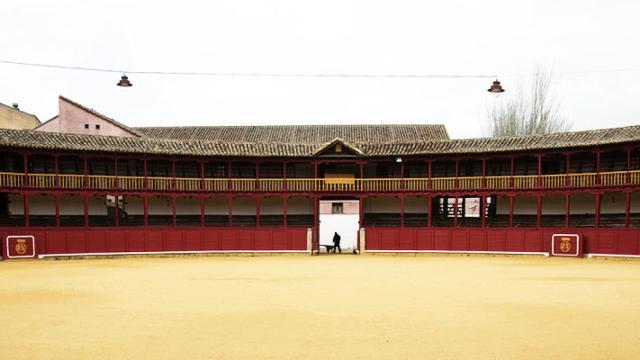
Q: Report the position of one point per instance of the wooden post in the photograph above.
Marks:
(202, 211)
(627, 220)
(257, 184)
(25, 163)
(568, 165)
(174, 181)
(230, 206)
(257, 211)
(430, 213)
(484, 173)
(483, 210)
(457, 184)
(85, 204)
(511, 210)
(56, 170)
(202, 187)
(539, 220)
(628, 164)
(430, 166)
(25, 202)
(284, 175)
(145, 168)
(455, 211)
(285, 200)
(116, 211)
(539, 170)
(229, 183)
(173, 207)
(598, 167)
(86, 171)
(568, 210)
(597, 209)
(117, 181)
(57, 204)
(512, 172)
(145, 216)
(401, 211)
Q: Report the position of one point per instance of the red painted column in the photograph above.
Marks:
(230, 206)
(202, 211)
(57, 202)
(597, 209)
(116, 210)
(627, 220)
(457, 181)
(257, 185)
(316, 223)
(484, 173)
(539, 220)
(25, 201)
(539, 170)
(568, 210)
(201, 175)
(429, 214)
(85, 204)
(284, 175)
(512, 172)
(285, 201)
(25, 163)
(86, 171)
(401, 211)
(361, 211)
(483, 210)
(430, 165)
(173, 209)
(628, 164)
(598, 167)
(145, 202)
(510, 210)
(402, 187)
(257, 211)
(174, 181)
(56, 169)
(230, 183)
(146, 180)
(455, 211)
(362, 186)
(115, 164)
(568, 165)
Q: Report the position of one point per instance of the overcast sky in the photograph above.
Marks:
(372, 37)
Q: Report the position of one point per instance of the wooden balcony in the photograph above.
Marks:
(162, 184)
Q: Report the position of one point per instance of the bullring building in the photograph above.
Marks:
(85, 184)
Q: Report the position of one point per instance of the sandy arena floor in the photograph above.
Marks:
(327, 307)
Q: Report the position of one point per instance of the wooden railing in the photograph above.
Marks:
(135, 183)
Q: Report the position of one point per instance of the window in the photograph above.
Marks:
(97, 126)
(86, 126)
(337, 208)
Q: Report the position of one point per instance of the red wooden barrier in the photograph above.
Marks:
(104, 241)
(595, 241)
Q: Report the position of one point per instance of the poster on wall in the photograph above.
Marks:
(20, 246)
(566, 245)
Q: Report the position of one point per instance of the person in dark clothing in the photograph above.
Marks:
(336, 243)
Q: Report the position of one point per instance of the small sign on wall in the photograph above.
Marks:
(21, 246)
(566, 245)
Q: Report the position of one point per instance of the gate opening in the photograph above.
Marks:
(340, 217)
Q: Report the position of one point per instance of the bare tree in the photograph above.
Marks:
(530, 112)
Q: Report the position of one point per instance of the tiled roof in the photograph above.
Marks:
(262, 148)
(302, 134)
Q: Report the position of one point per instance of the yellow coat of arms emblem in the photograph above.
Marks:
(565, 244)
(21, 246)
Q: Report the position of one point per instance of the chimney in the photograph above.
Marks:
(15, 106)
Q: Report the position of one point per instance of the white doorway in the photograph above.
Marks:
(341, 216)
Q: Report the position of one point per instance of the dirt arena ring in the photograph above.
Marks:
(325, 307)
